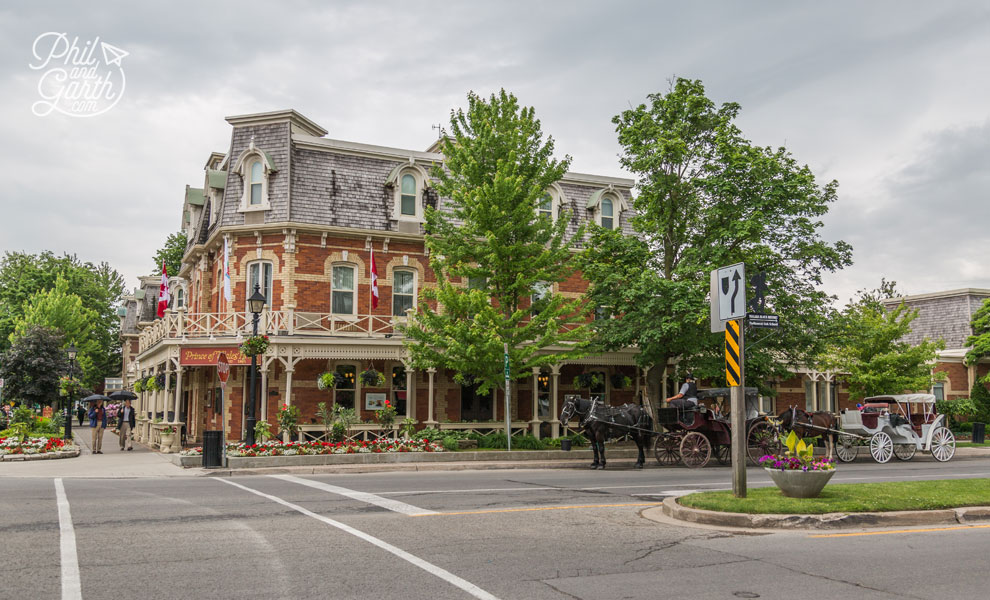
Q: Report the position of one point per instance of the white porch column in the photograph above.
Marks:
(828, 396)
(410, 393)
(177, 399)
(534, 421)
(264, 394)
(288, 386)
(554, 411)
(430, 421)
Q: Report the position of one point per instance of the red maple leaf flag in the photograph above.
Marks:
(374, 281)
(163, 295)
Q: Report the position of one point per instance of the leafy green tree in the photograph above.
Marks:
(710, 198)
(100, 288)
(32, 366)
(497, 168)
(979, 344)
(60, 310)
(868, 346)
(171, 253)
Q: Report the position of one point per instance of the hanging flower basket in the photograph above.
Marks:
(587, 380)
(68, 386)
(326, 381)
(138, 386)
(255, 345)
(151, 384)
(372, 378)
(619, 381)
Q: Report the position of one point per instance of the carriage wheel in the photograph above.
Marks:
(722, 452)
(881, 447)
(943, 445)
(904, 451)
(666, 449)
(761, 440)
(846, 448)
(696, 450)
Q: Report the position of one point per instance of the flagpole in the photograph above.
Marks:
(371, 290)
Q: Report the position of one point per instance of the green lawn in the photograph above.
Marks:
(851, 497)
(972, 445)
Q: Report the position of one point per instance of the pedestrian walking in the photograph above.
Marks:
(127, 423)
(81, 413)
(98, 421)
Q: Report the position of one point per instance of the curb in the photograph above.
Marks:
(405, 466)
(45, 456)
(952, 516)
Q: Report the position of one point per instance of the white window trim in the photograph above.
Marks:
(354, 292)
(421, 180)
(247, 280)
(616, 209)
(556, 201)
(243, 168)
(415, 292)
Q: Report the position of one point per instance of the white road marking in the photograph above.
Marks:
(393, 505)
(69, 560)
(447, 576)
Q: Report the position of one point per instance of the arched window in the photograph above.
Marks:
(342, 290)
(607, 213)
(546, 207)
(403, 292)
(408, 196)
(257, 177)
(260, 273)
(180, 298)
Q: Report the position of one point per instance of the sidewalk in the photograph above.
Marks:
(140, 462)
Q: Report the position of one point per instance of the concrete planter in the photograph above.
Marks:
(800, 484)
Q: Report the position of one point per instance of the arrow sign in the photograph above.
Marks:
(732, 292)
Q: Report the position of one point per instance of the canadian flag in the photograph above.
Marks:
(374, 281)
(163, 295)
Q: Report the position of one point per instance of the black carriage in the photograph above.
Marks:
(693, 435)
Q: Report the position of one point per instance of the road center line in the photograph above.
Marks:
(394, 505)
(892, 531)
(447, 576)
(68, 559)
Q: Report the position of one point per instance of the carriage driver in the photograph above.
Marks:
(688, 396)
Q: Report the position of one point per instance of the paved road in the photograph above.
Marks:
(527, 534)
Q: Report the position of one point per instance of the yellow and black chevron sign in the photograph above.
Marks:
(732, 353)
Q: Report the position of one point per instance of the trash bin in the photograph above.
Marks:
(565, 445)
(979, 432)
(212, 449)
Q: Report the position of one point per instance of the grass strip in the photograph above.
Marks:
(972, 445)
(851, 497)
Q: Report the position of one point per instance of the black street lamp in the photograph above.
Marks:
(256, 303)
(68, 398)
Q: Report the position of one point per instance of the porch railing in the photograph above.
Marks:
(182, 325)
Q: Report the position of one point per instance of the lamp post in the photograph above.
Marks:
(68, 398)
(256, 303)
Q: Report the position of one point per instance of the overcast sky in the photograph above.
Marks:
(888, 98)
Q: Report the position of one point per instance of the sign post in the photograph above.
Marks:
(508, 420)
(735, 378)
(223, 373)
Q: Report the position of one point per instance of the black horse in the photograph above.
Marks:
(599, 421)
(810, 424)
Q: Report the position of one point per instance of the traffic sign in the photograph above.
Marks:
(223, 370)
(732, 370)
(732, 292)
(762, 321)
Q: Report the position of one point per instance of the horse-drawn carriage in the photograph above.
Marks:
(690, 435)
(897, 425)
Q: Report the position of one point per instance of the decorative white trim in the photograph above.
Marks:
(243, 166)
(422, 182)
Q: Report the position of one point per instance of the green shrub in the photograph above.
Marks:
(22, 414)
(338, 432)
(450, 443)
(966, 427)
(527, 442)
(430, 433)
(495, 441)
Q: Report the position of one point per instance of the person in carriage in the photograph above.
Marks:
(688, 395)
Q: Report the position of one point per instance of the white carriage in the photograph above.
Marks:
(896, 425)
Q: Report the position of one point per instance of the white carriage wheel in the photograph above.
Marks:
(943, 446)
(846, 448)
(881, 447)
(905, 451)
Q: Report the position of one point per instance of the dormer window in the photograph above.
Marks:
(255, 168)
(257, 176)
(546, 207)
(607, 213)
(408, 181)
(408, 196)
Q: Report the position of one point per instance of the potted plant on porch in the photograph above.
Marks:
(797, 473)
(372, 378)
(167, 438)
